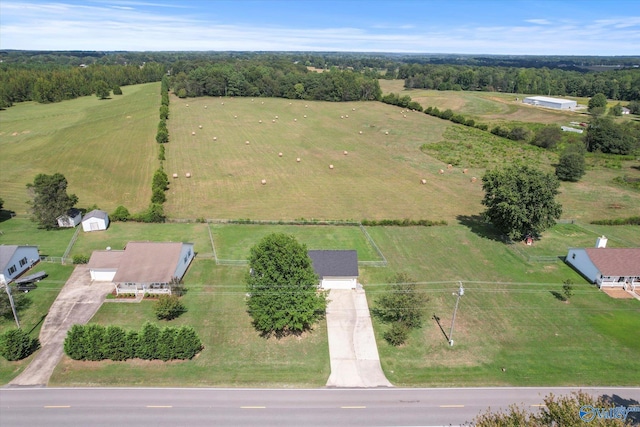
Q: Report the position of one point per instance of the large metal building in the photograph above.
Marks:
(545, 101)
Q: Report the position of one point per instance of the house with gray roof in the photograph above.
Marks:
(142, 267)
(337, 269)
(95, 220)
(70, 219)
(15, 260)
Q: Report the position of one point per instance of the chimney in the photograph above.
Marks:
(601, 242)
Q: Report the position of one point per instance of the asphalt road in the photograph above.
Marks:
(250, 407)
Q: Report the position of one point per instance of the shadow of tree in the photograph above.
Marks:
(558, 296)
(477, 225)
(6, 215)
(615, 400)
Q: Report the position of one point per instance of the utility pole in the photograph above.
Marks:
(13, 306)
(455, 310)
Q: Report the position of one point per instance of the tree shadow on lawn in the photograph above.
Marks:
(558, 296)
(477, 225)
(6, 215)
(615, 400)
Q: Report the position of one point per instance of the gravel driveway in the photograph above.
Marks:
(352, 345)
(77, 302)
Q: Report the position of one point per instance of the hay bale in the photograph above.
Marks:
(222, 103)
(263, 182)
(464, 171)
(175, 175)
(360, 132)
(262, 102)
(273, 120)
(188, 174)
(193, 133)
(215, 138)
(259, 121)
(305, 106)
(235, 117)
(473, 179)
(330, 166)
(200, 126)
(405, 116)
(346, 116)
(423, 181)
(449, 166)
(441, 171)
(298, 159)
(187, 105)
(279, 154)
(353, 109)
(345, 152)
(342, 117)
(305, 116)
(246, 142)
(276, 117)
(295, 120)
(386, 132)
(205, 106)
(251, 99)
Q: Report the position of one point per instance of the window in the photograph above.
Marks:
(12, 269)
(23, 261)
(185, 259)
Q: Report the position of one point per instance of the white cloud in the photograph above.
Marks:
(539, 21)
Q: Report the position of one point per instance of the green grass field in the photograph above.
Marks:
(105, 148)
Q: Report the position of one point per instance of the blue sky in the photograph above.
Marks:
(530, 27)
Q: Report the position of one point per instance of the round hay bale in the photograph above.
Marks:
(405, 116)
(342, 117)
(330, 166)
(273, 120)
(235, 117)
(298, 159)
(259, 121)
(464, 171)
(360, 132)
(423, 181)
(200, 126)
(345, 152)
(262, 102)
(187, 105)
(188, 174)
(386, 132)
(289, 103)
(175, 175)
(263, 182)
(441, 171)
(222, 103)
(346, 116)
(305, 116)
(251, 99)
(279, 154)
(205, 106)
(246, 142)
(353, 109)
(276, 117)
(305, 106)
(473, 179)
(215, 138)
(295, 120)
(193, 133)
(449, 166)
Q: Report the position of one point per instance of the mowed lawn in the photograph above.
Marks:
(380, 177)
(105, 148)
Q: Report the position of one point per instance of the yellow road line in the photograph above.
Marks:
(353, 407)
(159, 406)
(57, 406)
(452, 406)
(253, 407)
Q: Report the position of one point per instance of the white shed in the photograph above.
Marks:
(336, 269)
(72, 218)
(95, 220)
(15, 260)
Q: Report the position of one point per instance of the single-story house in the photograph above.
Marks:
(548, 102)
(142, 267)
(607, 267)
(336, 269)
(625, 110)
(95, 220)
(72, 218)
(15, 260)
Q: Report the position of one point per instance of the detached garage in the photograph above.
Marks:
(95, 220)
(336, 269)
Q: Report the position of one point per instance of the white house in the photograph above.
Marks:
(625, 110)
(72, 218)
(15, 260)
(336, 269)
(556, 103)
(607, 267)
(142, 267)
(95, 220)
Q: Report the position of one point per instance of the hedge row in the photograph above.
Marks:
(632, 220)
(96, 342)
(401, 222)
(453, 117)
(16, 344)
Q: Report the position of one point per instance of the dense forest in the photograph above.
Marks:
(52, 76)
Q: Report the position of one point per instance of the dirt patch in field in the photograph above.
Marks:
(617, 293)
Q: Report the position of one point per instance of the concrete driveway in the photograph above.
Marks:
(77, 302)
(352, 345)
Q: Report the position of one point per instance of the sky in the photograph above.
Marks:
(503, 27)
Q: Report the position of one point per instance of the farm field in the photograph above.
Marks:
(105, 148)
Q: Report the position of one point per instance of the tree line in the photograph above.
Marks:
(620, 84)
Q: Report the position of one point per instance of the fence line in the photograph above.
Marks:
(373, 243)
(215, 256)
(72, 242)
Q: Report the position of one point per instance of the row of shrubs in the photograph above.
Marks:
(401, 222)
(448, 114)
(632, 220)
(97, 342)
(401, 101)
(16, 344)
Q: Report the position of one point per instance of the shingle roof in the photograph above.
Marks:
(6, 252)
(105, 259)
(335, 263)
(616, 261)
(96, 213)
(148, 262)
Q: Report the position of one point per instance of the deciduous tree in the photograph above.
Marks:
(571, 166)
(50, 199)
(283, 287)
(520, 200)
(598, 104)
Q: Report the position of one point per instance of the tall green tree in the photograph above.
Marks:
(598, 104)
(50, 199)
(607, 136)
(571, 166)
(520, 200)
(283, 287)
(401, 302)
(102, 89)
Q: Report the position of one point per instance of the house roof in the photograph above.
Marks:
(335, 263)
(105, 259)
(7, 251)
(615, 261)
(96, 213)
(71, 213)
(148, 262)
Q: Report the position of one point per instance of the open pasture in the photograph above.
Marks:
(379, 177)
(105, 148)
